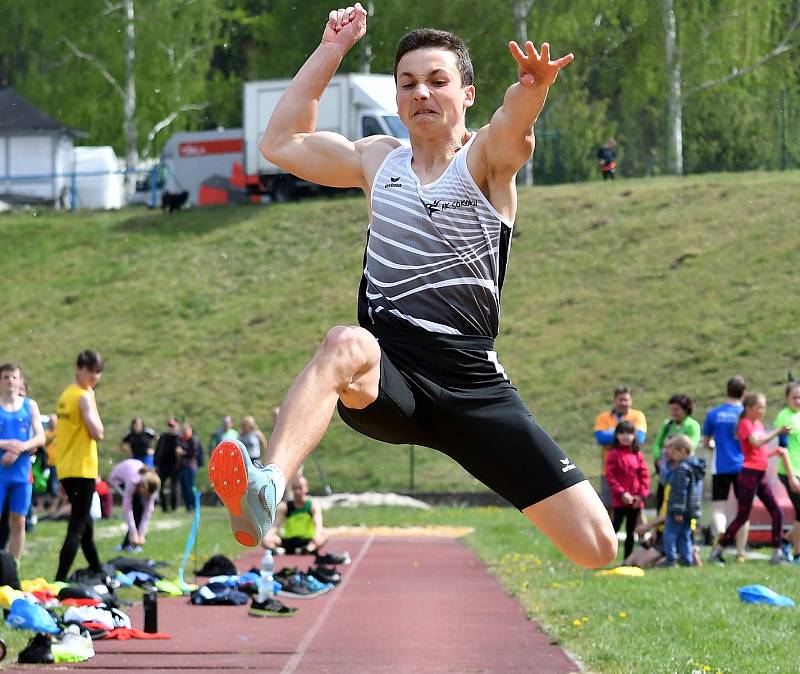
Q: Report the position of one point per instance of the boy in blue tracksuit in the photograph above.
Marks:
(685, 497)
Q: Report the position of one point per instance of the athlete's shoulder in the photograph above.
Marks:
(375, 146)
(373, 151)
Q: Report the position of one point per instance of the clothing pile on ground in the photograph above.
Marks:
(67, 617)
(227, 587)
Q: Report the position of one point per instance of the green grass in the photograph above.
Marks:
(669, 284)
(674, 620)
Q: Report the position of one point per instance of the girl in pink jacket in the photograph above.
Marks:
(629, 480)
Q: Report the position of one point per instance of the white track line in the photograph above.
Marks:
(317, 626)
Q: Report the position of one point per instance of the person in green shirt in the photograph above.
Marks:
(680, 422)
(789, 417)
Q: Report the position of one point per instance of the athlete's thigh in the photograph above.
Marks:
(19, 497)
(397, 415)
(495, 438)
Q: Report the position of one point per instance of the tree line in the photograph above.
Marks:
(684, 86)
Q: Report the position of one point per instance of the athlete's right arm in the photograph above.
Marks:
(291, 140)
(91, 416)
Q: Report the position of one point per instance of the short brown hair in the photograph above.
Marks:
(10, 367)
(423, 38)
(736, 386)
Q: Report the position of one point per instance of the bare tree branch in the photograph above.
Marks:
(178, 65)
(164, 123)
(96, 63)
(781, 48)
(110, 9)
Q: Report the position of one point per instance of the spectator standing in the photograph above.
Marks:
(607, 158)
(189, 452)
(165, 460)
(683, 505)
(628, 479)
(224, 432)
(21, 434)
(789, 419)
(604, 425)
(138, 442)
(719, 436)
(252, 438)
(77, 432)
(751, 482)
(680, 422)
(139, 484)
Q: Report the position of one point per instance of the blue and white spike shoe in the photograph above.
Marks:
(245, 488)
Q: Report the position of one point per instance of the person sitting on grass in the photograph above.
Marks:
(628, 479)
(301, 520)
(651, 534)
(683, 505)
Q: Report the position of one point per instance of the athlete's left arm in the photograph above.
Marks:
(508, 138)
(38, 438)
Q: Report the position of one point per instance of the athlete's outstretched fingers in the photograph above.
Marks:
(532, 53)
(564, 61)
(546, 52)
(578, 524)
(516, 52)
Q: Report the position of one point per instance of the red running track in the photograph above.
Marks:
(405, 606)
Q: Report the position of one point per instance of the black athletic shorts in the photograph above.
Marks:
(449, 393)
(794, 498)
(721, 485)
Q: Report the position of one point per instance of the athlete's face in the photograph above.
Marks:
(793, 399)
(429, 91)
(10, 381)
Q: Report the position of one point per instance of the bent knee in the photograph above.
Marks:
(348, 350)
(600, 551)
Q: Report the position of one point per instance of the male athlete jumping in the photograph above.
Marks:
(421, 367)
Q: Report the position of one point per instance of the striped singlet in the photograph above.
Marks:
(436, 254)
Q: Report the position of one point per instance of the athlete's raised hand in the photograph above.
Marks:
(536, 69)
(345, 27)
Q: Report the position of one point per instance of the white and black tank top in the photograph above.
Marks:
(436, 254)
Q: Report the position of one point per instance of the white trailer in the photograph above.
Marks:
(353, 105)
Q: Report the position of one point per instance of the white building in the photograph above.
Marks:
(36, 153)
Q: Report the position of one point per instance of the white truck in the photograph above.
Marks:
(353, 105)
(196, 168)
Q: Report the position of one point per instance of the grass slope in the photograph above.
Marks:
(668, 284)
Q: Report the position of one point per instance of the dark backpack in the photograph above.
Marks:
(218, 565)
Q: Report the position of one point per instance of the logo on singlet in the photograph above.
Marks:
(395, 183)
(567, 465)
(439, 205)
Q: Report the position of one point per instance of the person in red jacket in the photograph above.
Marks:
(629, 480)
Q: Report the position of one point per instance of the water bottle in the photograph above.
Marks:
(151, 611)
(266, 589)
